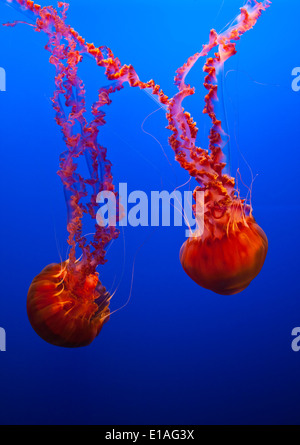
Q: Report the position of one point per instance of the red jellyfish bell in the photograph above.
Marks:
(67, 309)
(227, 261)
(232, 248)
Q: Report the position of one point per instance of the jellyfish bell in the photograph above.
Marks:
(228, 255)
(67, 308)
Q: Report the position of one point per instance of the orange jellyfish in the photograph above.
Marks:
(67, 304)
(232, 249)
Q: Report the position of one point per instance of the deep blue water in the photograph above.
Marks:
(176, 354)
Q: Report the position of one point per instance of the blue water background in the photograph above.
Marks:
(176, 354)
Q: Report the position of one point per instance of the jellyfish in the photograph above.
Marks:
(232, 249)
(67, 304)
